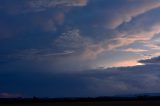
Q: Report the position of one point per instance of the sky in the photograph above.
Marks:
(79, 48)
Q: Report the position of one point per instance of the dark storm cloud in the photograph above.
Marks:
(51, 27)
(153, 61)
(47, 15)
(83, 49)
(97, 82)
(53, 46)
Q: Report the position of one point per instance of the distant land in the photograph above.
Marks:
(125, 100)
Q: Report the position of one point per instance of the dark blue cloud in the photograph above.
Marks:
(152, 61)
(98, 82)
(52, 47)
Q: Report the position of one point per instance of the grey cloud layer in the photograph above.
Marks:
(25, 6)
(41, 5)
(52, 3)
(97, 82)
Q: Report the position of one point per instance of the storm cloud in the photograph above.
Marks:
(79, 47)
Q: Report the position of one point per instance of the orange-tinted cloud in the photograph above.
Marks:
(126, 63)
(134, 50)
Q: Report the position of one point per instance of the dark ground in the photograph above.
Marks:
(103, 101)
(108, 103)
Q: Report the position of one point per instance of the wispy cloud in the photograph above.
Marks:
(40, 5)
(134, 50)
(133, 9)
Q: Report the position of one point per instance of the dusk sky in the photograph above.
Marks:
(79, 48)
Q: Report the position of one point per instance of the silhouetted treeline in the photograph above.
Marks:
(89, 99)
